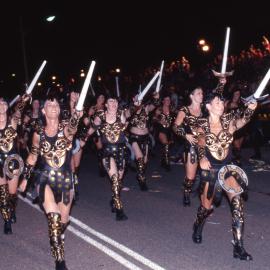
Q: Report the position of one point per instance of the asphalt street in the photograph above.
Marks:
(157, 234)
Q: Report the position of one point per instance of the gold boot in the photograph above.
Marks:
(56, 242)
(141, 174)
(5, 208)
(238, 229)
(117, 204)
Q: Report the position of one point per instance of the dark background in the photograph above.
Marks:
(131, 35)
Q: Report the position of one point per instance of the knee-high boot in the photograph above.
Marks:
(13, 200)
(56, 242)
(116, 201)
(5, 208)
(238, 229)
(202, 214)
(141, 174)
(187, 186)
(165, 162)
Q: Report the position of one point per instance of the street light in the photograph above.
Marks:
(82, 74)
(202, 42)
(50, 18)
(205, 48)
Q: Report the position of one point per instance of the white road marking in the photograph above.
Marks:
(108, 240)
(104, 249)
(121, 247)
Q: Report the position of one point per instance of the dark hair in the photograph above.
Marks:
(111, 95)
(100, 94)
(211, 95)
(191, 91)
(165, 94)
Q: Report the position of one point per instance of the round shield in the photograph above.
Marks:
(232, 179)
(13, 166)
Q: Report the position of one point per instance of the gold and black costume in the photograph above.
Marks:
(140, 120)
(163, 125)
(54, 166)
(11, 165)
(54, 170)
(114, 147)
(217, 149)
(188, 126)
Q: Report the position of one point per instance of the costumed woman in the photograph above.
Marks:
(139, 136)
(163, 118)
(111, 123)
(11, 164)
(186, 126)
(53, 143)
(214, 151)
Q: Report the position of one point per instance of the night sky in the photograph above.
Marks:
(126, 34)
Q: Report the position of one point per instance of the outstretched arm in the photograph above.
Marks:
(247, 114)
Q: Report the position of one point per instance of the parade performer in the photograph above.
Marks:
(139, 135)
(186, 125)
(111, 124)
(164, 117)
(53, 142)
(11, 164)
(214, 151)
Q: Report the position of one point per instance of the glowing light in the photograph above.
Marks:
(82, 74)
(117, 70)
(39, 84)
(205, 48)
(13, 74)
(53, 78)
(58, 85)
(50, 18)
(99, 78)
(202, 42)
